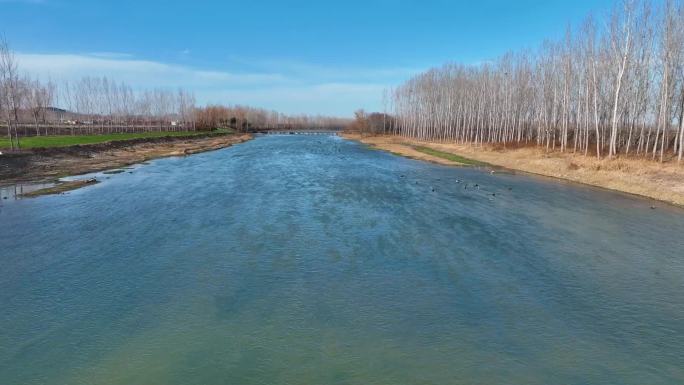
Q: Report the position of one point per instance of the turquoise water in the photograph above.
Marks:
(314, 260)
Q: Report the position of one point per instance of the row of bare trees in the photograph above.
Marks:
(614, 87)
(10, 94)
(91, 105)
(243, 118)
(109, 105)
(99, 105)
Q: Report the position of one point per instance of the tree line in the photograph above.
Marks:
(615, 86)
(90, 105)
(245, 118)
(98, 105)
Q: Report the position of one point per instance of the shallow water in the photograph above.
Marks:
(15, 191)
(314, 260)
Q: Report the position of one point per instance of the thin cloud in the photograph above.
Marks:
(296, 89)
(327, 72)
(110, 55)
(139, 73)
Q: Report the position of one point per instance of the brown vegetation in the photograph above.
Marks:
(398, 146)
(248, 119)
(375, 123)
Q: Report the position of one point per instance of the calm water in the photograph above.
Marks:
(313, 260)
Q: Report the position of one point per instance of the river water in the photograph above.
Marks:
(315, 260)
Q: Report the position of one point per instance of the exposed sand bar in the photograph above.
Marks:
(664, 182)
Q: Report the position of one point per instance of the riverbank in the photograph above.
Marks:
(33, 142)
(50, 164)
(664, 182)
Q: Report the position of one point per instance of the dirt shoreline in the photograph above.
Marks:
(663, 182)
(50, 164)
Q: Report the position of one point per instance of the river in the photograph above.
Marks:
(315, 260)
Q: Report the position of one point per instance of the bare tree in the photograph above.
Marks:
(11, 91)
(614, 88)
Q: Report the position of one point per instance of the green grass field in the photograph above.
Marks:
(69, 140)
(449, 156)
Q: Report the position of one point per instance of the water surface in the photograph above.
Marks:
(314, 260)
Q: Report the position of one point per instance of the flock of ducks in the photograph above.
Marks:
(466, 186)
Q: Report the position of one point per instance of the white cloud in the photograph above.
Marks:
(139, 73)
(296, 88)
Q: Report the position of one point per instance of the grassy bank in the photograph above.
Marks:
(398, 147)
(660, 181)
(51, 164)
(449, 156)
(73, 140)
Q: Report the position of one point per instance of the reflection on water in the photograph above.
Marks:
(313, 260)
(15, 191)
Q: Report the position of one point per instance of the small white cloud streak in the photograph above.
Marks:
(334, 72)
(110, 55)
(24, 1)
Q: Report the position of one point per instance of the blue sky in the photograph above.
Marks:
(293, 56)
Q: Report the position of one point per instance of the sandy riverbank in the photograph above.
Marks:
(52, 164)
(664, 182)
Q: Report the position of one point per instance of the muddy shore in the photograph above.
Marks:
(50, 164)
(663, 182)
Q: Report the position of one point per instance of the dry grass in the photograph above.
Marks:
(400, 146)
(664, 182)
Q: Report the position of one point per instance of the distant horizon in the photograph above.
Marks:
(296, 58)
